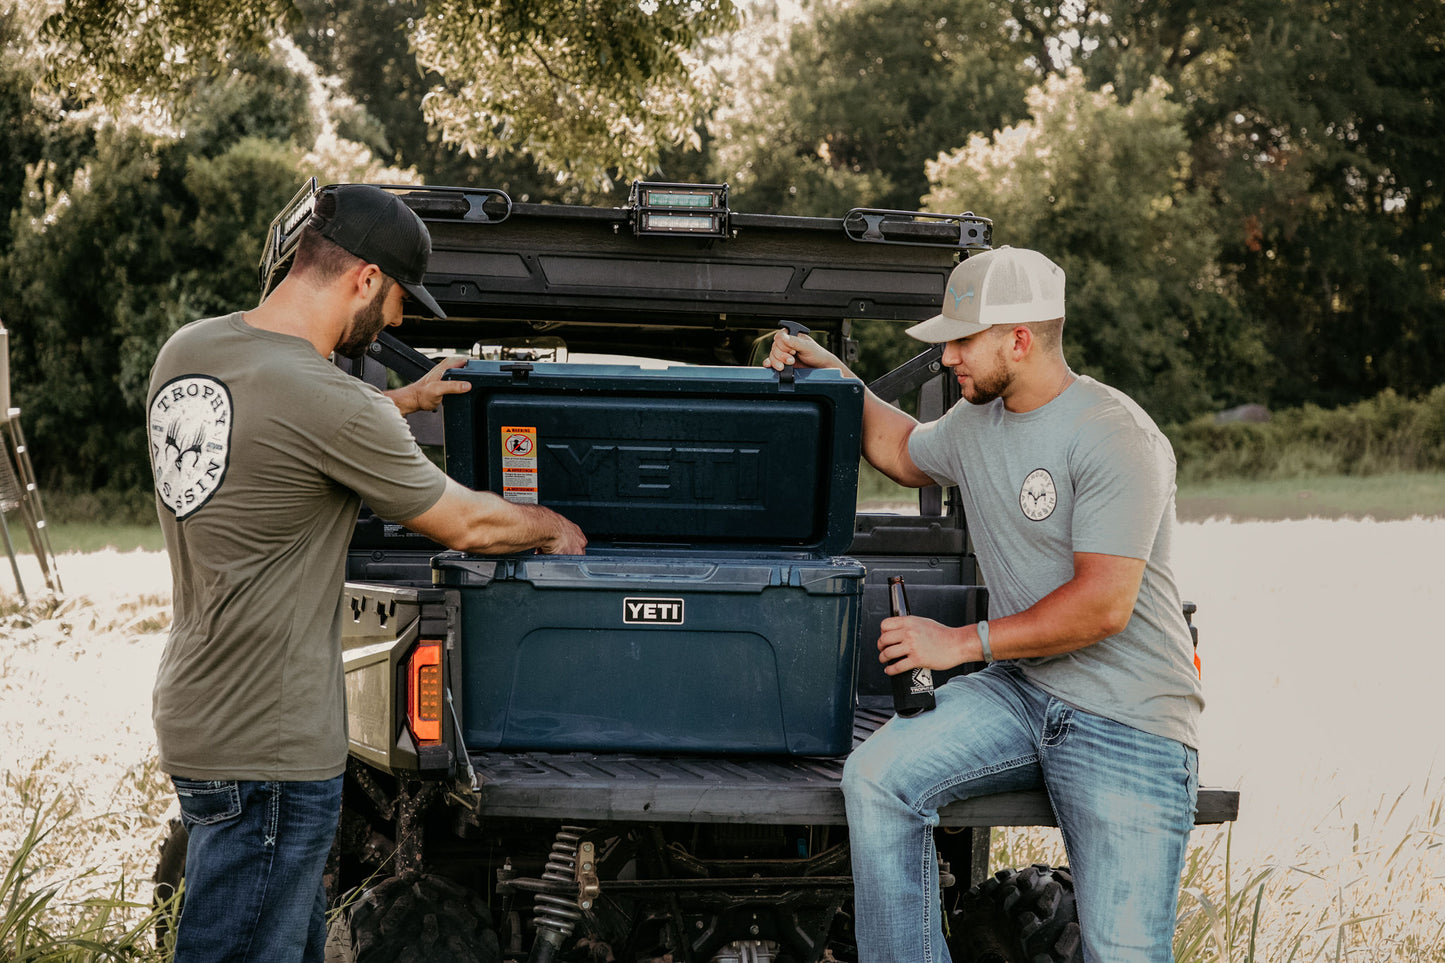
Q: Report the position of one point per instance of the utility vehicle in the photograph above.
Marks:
(635, 755)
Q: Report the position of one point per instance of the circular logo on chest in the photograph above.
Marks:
(190, 436)
(1038, 496)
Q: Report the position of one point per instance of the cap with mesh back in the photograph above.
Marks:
(378, 227)
(1008, 285)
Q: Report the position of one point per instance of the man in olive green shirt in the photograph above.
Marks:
(262, 451)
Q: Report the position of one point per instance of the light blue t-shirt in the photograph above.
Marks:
(1087, 472)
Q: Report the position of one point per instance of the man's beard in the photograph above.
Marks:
(366, 324)
(989, 387)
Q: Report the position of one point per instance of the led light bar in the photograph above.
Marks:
(697, 209)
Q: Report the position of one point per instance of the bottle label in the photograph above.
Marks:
(922, 681)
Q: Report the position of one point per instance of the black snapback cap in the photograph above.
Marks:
(376, 226)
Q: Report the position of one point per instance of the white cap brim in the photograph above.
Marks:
(941, 328)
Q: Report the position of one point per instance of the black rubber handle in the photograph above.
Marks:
(792, 327)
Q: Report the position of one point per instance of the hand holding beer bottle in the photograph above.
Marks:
(912, 690)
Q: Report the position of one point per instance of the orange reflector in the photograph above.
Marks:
(424, 692)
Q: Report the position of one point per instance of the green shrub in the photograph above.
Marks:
(1384, 434)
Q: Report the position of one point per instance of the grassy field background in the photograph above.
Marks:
(1319, 619)
(1380, 497)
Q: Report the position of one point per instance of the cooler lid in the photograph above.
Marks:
(722, 458)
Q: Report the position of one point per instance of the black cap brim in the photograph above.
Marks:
(420, 292)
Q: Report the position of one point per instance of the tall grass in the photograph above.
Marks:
(1373, 892)
(1350, 891)
(41, 922)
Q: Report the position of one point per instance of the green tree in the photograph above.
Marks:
(1315, 126)
(147, 237)
(365, 45)
(591, 90)
(1101, 186)
(1349, 268)
(862, 95)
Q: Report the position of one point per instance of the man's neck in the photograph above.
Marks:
(1034, 390)
(300, 311)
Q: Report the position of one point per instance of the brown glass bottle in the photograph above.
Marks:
(912, 690)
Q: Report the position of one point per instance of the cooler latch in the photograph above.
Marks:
(519, 369)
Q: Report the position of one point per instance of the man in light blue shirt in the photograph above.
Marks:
(1090, 691)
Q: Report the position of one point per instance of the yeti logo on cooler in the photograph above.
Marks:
(652, 611)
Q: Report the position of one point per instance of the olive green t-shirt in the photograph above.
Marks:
(261, 452)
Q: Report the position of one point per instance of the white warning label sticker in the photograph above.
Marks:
(519, 464)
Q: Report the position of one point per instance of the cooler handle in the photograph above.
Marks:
(785, 377)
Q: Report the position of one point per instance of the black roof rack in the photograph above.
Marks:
(546, 274)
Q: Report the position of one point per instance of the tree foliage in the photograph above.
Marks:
(1315, 128)
(1246, 194)
(591, 89)
(862, 95)
(146, 237)
(1349, 262)
(120, 233)
(1100, 186)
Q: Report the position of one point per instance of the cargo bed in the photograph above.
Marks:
(776, 790)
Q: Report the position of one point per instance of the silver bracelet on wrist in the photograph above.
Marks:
(983, 638)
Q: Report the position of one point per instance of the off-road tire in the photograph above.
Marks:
(415, 919)
(1019, 916)
(170, 873)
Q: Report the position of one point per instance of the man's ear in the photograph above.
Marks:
(367, 281)
(1020, 341)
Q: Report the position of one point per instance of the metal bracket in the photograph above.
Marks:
(396, 354)
(481, 205)
(589, 886)
(964, 232)
(909, 375)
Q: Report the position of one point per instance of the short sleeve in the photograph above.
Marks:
(374, 454)
(1123, 486)
(931, 453)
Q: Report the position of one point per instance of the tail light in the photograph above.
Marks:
(424, 691)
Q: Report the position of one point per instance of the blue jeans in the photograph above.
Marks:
(254, 864)
(1124, 800)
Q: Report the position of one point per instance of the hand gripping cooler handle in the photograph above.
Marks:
(785, 377)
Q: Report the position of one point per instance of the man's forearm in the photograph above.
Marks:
(1092, 606)
(404, 399)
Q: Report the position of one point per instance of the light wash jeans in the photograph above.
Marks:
(1124, 800)
(254, 863)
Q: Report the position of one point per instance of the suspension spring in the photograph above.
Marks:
(560, 914)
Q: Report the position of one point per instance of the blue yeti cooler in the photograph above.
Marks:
(711, 612)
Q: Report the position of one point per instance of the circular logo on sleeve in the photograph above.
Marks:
(1038, 496)
(190, 436)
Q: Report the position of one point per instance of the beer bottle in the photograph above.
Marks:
(912, 690)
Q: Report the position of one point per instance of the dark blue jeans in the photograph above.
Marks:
(254, 864)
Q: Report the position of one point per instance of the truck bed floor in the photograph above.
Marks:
(763, 789)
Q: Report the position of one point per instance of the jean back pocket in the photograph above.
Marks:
(206, 802)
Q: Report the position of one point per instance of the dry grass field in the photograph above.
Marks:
(1323, 659)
